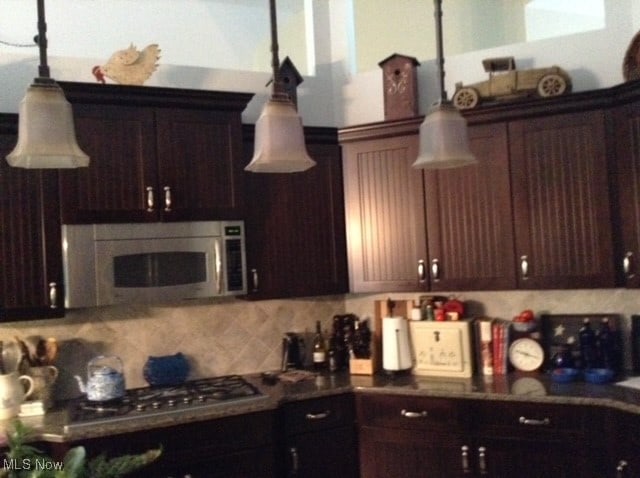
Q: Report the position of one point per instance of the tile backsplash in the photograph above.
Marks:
(236, 336)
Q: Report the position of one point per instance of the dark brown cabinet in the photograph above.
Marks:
(561, 201)
(622, 445)
(626, 124)
(30, 245)
(295, 224)
(319, 438)
(157, 154)
(231, 447)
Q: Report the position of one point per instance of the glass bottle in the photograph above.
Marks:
(564, 357)
(606, 345)
(588, 352)
(319, 349)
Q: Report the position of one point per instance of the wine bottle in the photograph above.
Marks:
(319, 349)
(588, 352)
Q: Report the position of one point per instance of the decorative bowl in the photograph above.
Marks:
(598, 375)
(166, 370)
(565, 375)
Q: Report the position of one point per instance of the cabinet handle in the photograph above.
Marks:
(524, 267)
(318, 416)
(627, 265)
(218, 263)
(150, 201)
(465, 460)
(482, 461)
(53, 295)
(620, 469)
(534, 422)
(295, 463)
(167, 198)
(422, 273)
(408, 414)
(435, 270)
(254, 279)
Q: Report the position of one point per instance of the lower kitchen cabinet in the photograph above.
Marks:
(411, 436)
(231, 447)
(319, 438)
(623, 445)
(408, 436)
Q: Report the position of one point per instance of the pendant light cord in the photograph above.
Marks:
(278, 90)
(439, 49)
(43, 68)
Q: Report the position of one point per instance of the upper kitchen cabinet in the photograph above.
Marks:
(384, 206)
(562, 220)
(470, 233)
(626, 125)
(30, 246)
(295, 224)
(157, 154)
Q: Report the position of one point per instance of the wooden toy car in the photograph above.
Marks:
(506, 82)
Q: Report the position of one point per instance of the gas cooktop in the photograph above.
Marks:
(139, 403)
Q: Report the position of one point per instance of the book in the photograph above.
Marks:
(500, 335)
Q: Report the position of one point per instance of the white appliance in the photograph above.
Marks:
(152, 262)
(396, 354)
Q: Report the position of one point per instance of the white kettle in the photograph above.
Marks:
(12, 393)
(396, 354)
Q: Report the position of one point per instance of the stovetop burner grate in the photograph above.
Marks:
(152, 401)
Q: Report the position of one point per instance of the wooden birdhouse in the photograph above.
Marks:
(290, 79)
(400, 83)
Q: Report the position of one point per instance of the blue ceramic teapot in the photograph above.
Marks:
(105, 379)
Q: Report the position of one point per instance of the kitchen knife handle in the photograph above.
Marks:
(167, 198)
(482, 461)
(408, 414)
(318, 416)
(627, 265)
(53, 295)
(422, 274)
(435, 270)
(524, 267)
(534, 421)
(150, 202)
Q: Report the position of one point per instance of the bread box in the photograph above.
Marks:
(442, 349)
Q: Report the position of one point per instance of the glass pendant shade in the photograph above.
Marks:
(444, 141)
(46, 134)
(279, 140)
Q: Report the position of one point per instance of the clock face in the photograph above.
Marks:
(526, 354)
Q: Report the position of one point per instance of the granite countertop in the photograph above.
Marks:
(513, 387)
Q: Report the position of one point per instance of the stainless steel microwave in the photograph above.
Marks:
(108, 264)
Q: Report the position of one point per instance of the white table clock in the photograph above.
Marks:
(526, 354)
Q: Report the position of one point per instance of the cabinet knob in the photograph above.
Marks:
(53, 295)
(465, 460)
(295, 463)
(167, 198)
(627, 265)
(254, 280)
(435, 270)
(150, 201)
(409, 414)
(620, 469)
(524, 267)
(318, 416)
(482, 461)
(422, 273)
(534, 421)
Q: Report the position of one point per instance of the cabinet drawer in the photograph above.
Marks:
(409, 412)
(318, 414)
(528, 417)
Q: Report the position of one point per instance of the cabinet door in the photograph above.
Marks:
(469, 218)
(30, 247)
(199, 164)
(295, 229)
(386, 235)
(561, 207)
(120, 142)
(627, 175)
(321, 454)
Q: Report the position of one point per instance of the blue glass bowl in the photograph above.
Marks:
(166, 370)
(565, 375)
(598, 375)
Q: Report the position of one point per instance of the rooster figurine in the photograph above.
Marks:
(130, 66)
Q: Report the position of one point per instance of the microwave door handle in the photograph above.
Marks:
(218, 264)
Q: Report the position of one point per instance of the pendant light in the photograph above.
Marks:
(46, 135)
(279, 141)
(444, 141)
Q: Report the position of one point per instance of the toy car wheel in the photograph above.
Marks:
(466, 98)
(551, 85)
